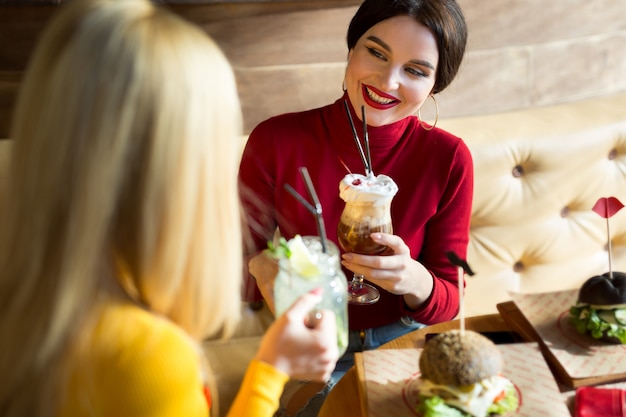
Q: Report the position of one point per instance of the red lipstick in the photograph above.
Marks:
(375, 104)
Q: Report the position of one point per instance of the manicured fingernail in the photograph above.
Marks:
(376, 236)
(347, 257)
(317, 291)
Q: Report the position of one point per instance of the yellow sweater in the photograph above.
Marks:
(141, 365)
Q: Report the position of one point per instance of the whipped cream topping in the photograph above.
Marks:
(379, 189)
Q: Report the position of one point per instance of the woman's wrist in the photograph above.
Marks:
(412, 302)
(424, 288)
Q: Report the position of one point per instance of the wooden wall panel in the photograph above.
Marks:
(21, 22)
(290, 55)
(20, 27)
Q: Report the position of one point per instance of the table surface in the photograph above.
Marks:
(344, 398)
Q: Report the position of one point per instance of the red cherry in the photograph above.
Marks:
(356, 182)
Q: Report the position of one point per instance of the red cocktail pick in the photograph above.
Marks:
(606, 207)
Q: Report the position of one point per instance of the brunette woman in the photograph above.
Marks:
(401, 53)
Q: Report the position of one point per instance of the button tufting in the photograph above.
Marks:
(518, 267)
(613, 154)
(565, 212)
(518, 171)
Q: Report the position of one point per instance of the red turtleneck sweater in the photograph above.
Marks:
(431, 211)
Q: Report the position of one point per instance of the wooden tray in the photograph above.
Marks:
(386, 381)
(514, 317)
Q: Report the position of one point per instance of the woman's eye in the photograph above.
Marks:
(376, 53)
(416, 72)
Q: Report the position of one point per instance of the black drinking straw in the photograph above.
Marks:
(316, 210)
(356, 138)
(367, 141)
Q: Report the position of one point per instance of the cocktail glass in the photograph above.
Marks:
(297, 276)
(367, 211)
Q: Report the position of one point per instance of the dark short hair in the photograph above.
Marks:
(444, 18)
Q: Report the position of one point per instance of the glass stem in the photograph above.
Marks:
(357, 281)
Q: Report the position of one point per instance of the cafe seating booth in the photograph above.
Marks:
(541, 103)
(540, 100)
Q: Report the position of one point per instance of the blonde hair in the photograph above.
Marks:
(126, 147)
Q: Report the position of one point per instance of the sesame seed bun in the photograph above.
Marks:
(455, 358)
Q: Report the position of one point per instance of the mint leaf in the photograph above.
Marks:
(280, 251)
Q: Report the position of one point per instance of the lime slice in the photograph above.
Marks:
(301, 259)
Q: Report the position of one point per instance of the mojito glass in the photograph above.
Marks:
(297, 276)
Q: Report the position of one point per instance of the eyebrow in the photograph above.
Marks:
(388, 49)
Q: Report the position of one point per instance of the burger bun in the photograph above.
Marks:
(460, 358)
(602, 290)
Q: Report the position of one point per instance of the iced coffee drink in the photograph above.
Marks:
(367, 210)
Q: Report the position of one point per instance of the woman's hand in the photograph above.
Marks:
(397, 273)
(302, 346)
(264, 269)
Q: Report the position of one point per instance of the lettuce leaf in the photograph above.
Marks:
(586, 320)
(436, 407)
(509, 403)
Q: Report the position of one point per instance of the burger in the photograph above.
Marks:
(461, 377)
(600, 310)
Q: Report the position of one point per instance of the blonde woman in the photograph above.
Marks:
(120, 232)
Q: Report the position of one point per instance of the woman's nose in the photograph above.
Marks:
(390, 79)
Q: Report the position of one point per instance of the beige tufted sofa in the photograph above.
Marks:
(538, 173)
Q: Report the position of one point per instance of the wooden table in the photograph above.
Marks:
(344, 398)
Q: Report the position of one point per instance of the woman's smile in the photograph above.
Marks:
(377, 98)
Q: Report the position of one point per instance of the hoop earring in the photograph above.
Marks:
(419, 115)
(343, 85)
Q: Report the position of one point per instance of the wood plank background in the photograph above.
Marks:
(290, 55)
